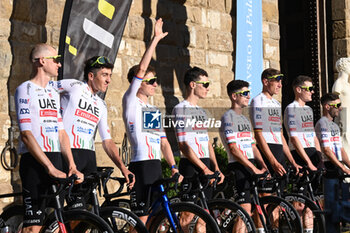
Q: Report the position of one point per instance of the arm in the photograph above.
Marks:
(259, 159)
(345, 157)
(277, 167)
(67, 155)
(300, 150)
(35, 150)
(112, 151)
(169, 157)
(289, 156)
(331, 156)
(158, 35)
(214, 162)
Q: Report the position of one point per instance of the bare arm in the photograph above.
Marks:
(147, 56)
(333, 159)
(300, 150)
(289, 156)
(345, 158)
(36, 151)
(277, 167)
(67, 155)
(169, 157)
(112, 151)
(215, 162)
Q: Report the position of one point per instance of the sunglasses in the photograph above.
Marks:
(150, 81)
(309, 89)
(243, 93)
(100, 60)
(56, 59)
(335, 105)
(277, 77)
(205, 83)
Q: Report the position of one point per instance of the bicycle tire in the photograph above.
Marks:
(84, 221)
(289, 220)
(160, 222)
(13, 217)
(318, 218)
(122, 220)
(227, 213)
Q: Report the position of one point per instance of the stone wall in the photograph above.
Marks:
(341, 30)
(201, 33)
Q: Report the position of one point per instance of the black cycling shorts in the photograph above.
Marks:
(277, 151)
(188, 169)
(85, 160)
(314, 155)
(146, 173)
(36, 182)
(243, 182)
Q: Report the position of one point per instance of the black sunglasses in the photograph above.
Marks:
(150, 81)
(205, 83)
(335, 105)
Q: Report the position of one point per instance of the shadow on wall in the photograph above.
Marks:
(27, 29)
(173, 56)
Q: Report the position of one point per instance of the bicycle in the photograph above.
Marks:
(165, 216)
(314, 220)
(60, 219)
(226, 213)
(268, 206)
(120, 219)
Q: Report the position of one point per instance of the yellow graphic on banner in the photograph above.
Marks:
(106, 8)
(71, 49)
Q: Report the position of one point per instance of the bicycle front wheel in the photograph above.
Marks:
(281, 215)
(122, 220)
(188, 217)
(13, 218)
(230, 216)
(77, 221)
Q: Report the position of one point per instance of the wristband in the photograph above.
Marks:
(174, 166)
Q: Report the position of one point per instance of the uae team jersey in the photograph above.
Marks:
(38, 111)
(299, 122)
(266, 115)
(328, 133)
(190, 128)
(82, 113)
(236, 129)
(144, 141)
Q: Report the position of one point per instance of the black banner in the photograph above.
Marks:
(90, 28)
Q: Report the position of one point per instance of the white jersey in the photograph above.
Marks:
(38, 111)
(145, 141)
(299, 122)
(328, 133)
(266, 115)
(82, 113)
(196, 135)
(237, 129)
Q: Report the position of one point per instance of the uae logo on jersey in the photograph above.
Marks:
(152, 119)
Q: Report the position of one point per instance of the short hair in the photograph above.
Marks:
(269, 72)
(193, 75)
(133, 71)
(236, 85)
(298, 81)
(97, 66)
(39, 50)
(328, 98)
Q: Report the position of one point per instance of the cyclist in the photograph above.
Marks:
(237, 137)
(42, 136)
(83, 111)
(266, 119)
(146, 144)
(197, 153)
(328, 133)
(298, 120)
